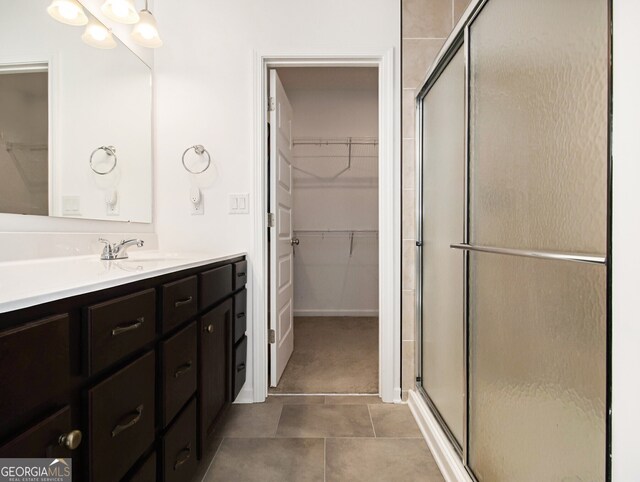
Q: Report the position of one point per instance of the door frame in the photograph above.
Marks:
(389, 190)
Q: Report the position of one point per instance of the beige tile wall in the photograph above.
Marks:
(425, 26)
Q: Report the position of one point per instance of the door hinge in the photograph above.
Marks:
(272, 336)
(271, 220)
(271, 104)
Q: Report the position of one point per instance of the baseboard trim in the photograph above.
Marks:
(335, 313)
(245, 396)
(443, 452)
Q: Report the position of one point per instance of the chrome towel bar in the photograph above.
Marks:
(575, 257)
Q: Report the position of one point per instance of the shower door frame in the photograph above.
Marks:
(459, 39)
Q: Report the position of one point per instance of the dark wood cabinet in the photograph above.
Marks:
(34, 371)
(52, 437)
(131, 381)
(239, 274)
(215, 364)
(179, 371)
(215, 285)
(239, 315)
(179, 301)
(121, 419)
(119, 327)
(147, 472)
(179, 447)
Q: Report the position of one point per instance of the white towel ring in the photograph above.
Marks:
(200, 150)
(111, 152)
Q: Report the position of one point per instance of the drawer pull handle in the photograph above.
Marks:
(137, 415)
(240, 367)
(118, 330)
(240, 315)
(241, 275)
(182, 369)
(70, 440)
(182, 457)
(208, 328)
(183, 302)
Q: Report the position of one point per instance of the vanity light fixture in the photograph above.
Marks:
(98, 36)
(145, 32)
(123, 11)
(69, 12)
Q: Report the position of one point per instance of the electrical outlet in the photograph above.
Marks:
(197, 209)
(239, 203)
(113, 209)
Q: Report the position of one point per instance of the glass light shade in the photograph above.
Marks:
(123, 11)
(145, 33)
(69, 12)
(98, 36)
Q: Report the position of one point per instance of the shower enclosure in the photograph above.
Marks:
(514, 240)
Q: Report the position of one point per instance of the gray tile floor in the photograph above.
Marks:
(317, 438)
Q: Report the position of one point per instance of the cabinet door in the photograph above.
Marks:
(34, 371)
(215, 364)
(52, 437)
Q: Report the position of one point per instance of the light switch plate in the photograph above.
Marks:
(239, 203)
(71, 206)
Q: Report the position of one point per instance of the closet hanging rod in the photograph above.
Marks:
(340, 231)
(334, 143)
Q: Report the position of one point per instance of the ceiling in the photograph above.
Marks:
(329, 78)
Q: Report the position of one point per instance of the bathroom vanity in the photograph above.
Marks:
(125, 366)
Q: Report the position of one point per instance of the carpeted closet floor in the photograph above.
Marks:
(332, 355)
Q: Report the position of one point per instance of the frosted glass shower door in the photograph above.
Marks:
(538, 204)
(442, 281)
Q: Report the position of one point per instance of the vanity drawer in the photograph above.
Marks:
(179, 301)
(43, 440)
(239, 274)
(239, 315)
(179, 447)
(179, 371)
(215, 285)
(121, 419)
(118, 327)
(146, 472)
(239, 366)
(34, 371)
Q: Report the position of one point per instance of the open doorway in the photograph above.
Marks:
(323, 243)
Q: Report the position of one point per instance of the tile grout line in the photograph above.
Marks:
(275, 435)
(424, 38)
(371, 420)
(325, 459)
(213, 458)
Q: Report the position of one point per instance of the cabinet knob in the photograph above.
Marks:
(71, 440)
(208, 328)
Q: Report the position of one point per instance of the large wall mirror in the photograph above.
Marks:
(75, 121)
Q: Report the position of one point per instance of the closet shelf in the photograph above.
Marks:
(344, 150)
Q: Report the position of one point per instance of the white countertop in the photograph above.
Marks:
(32, 282)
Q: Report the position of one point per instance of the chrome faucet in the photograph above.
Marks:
(118, 250)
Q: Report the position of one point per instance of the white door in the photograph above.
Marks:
(281, 249)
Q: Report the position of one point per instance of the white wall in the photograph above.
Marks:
(204, 92)
(328, 280)
(626, 233)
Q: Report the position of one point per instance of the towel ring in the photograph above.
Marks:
(200, 150)
(111, 151)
